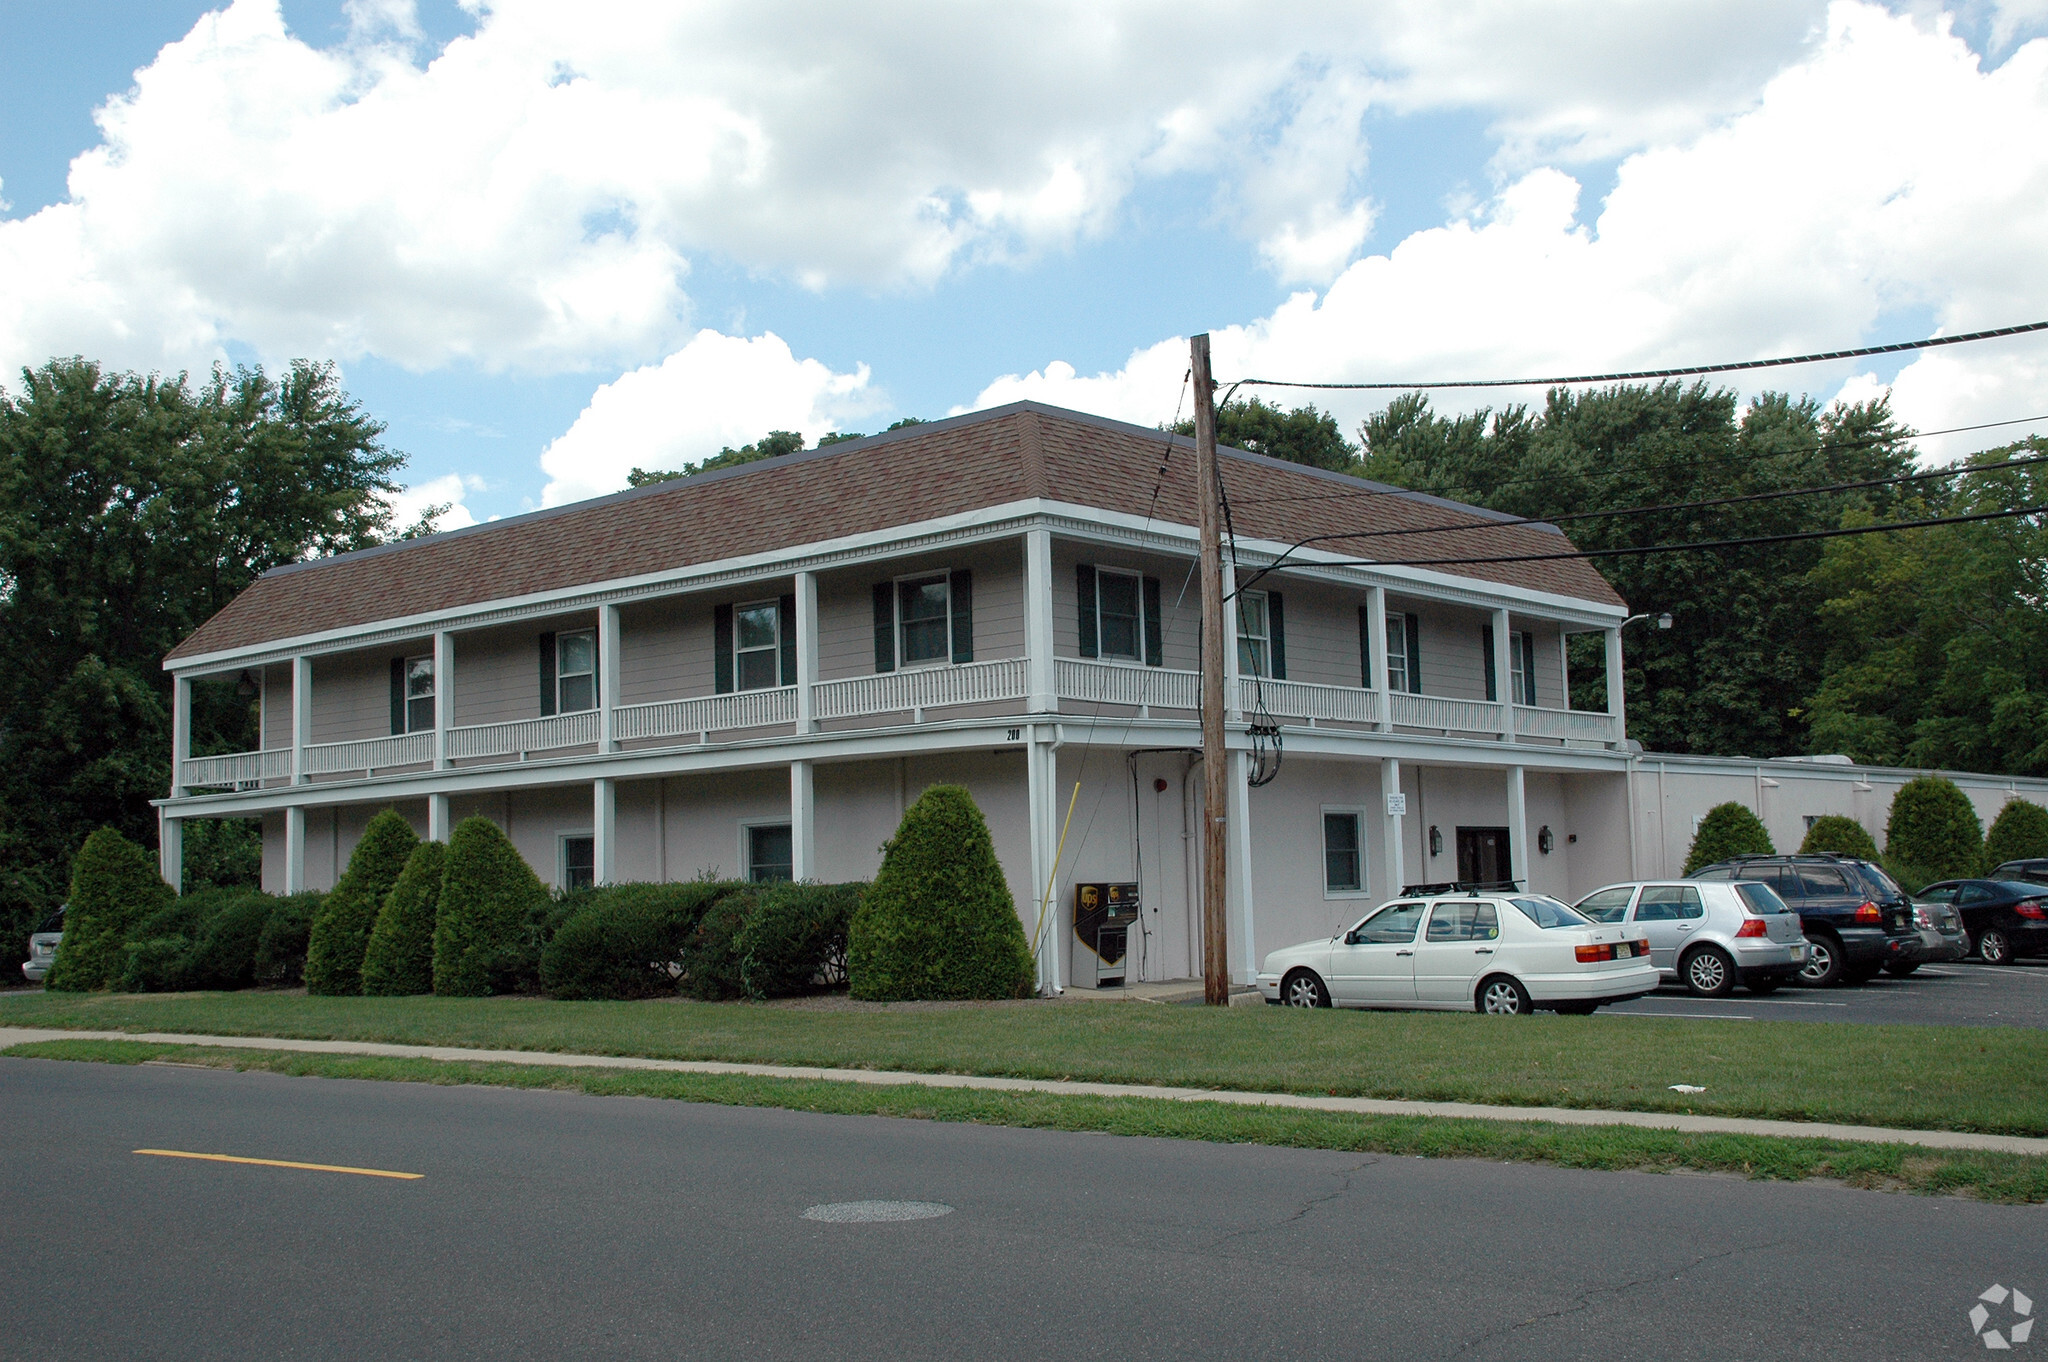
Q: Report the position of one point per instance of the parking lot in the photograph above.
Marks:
(1962, 993)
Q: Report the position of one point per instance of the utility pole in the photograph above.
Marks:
(1215, 762)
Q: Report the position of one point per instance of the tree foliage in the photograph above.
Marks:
(2019, 833)
(399, 959)
(341, 929)
(1933, 832)
(488, 926)
(1728, 830)
(1303, 435)
(774, 445)
(1844, 835)
(114, 889)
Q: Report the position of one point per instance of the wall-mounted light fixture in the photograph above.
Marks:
(1544, 841)
(1436, 841)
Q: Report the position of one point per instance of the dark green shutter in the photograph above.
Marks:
(885, 626)
(785, 610)
(1365, 646)
(1276, 635)
(1084, 594)
(1486, 647)
(1414, 631)
(960, 591)
(397, 696)
(1155, 629)
(547, 674)
(1529, 670)
(721, 649)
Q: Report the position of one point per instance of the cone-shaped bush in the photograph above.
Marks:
(1728, 830)
(341, 928)
(400, 957)
(1836, 833)
(486, 934)
(2019, 833)
(938, 922)
(1933, 832)
(114, 887)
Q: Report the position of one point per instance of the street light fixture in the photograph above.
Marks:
(1663, 620)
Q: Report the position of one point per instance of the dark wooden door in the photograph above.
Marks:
(1483, 855)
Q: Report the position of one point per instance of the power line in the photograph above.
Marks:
(1860, 352)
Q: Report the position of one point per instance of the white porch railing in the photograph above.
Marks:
(706, 714)
(971, 683)
(1565, 724)
(369, 755)
(236, 770)
(1117, 683)
(522, 736)
(1452, 716)
(1303, 700)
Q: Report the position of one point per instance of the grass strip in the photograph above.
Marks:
(1987, 1176)
(1992, 1080)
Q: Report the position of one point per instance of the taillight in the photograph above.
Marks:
(1869, 912)
(2033, 908)
(1753, 927)
(1593, 955)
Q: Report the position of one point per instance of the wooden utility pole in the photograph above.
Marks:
(1215, 762)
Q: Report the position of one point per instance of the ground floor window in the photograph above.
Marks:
(770, 852)
(579, 861)
(1343, 851)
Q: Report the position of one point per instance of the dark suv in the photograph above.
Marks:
(1855, 918)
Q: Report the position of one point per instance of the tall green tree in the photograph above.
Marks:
(1303, 435)
(1730, 674)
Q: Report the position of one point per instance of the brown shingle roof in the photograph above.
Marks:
(919, 473)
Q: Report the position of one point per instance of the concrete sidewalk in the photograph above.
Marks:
(1361, 1106)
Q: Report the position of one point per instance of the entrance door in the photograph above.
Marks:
(1483, 855)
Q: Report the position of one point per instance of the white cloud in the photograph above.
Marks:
(449, 490)
(715, 392)
(1888, 174)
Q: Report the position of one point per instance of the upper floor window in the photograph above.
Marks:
(412, 694)
(568, 672)
(1119, 615)
(1254, 635)
(1404, 653)
(1521, 672)
(924, 620)
(757, 644)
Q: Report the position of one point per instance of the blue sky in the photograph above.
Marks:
(564, 246)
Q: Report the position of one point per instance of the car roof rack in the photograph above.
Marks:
(1472, 887)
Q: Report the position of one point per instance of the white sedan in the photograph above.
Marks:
(1507, 954)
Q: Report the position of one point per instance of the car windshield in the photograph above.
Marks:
(1884, 881)
(1761, 898)
(1550, 913)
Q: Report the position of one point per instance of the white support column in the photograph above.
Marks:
(607, 680)
(803, 852)
(806, 651)
(1394, 853)
(1518, 828)
(1374, 646)
(604, 830)
(1045, 918)
(295, 849)
(302, 733)
(1618, 728)
(170, 843)
(1503, 675)
(1233, 712)
(1240, 834)
(1038, 659)
(444, 696)
(181, 733)
(438, 818)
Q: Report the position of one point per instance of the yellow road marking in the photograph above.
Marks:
(280, 1163)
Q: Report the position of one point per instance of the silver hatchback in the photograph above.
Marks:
(1708, 936)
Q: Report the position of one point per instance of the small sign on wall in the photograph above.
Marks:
(1397, 804)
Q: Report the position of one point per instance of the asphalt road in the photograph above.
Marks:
(556, 1225)
(1961, 993)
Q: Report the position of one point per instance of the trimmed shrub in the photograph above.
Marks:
(1836, 833)
(2019, 833)
(114, 886)
(281, 946)
(1933, 832)
(155, 965)
(1728, 830)
(400, 957)
(341, 929)
(625, 940)
(938, 922)
(795, 939)
(711, 958)
(224, 955)
(493, 911)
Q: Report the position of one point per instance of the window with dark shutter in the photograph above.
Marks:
(961, 585)
(721, 649)
(547, 674)
(1412, 631)
(397, 696)
(787, 608)
(1155, 637)
(1365, 646)
(1486, 648)
(1276, 623)
(885, 626)
(1084, 597)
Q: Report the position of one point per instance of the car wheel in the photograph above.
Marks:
(1763, 984)
(1994, 948)
(1899, 969)
(1302, 989)
(1501, 996)
(1708, 973)
(1823, 967)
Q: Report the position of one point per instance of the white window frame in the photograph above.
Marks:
(1397, 647)
(433, 688)
(747, 826)
(1357, 812)
(1260, 661)
(774, 649)
(945, 580)
(562, 839)
(1138, 578)
(1521, 669)
(560, 675)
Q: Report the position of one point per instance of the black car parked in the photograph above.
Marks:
(2005, 919)
(2035, 871)
(1855, 918)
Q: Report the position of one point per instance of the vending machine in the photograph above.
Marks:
(1104, 915)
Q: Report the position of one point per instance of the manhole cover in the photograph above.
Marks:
(877, 1212)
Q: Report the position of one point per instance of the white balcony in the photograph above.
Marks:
(369, 755)
(238, 771)
(1121, 683)
(972, 683)
(706, 714)
(522, 737)
(1446, 716)
(1302, 700)
(1566, 725)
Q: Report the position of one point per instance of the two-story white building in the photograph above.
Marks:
(752, 671)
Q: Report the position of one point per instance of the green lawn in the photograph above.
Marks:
(1980, 1079)
(1987, 1176)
